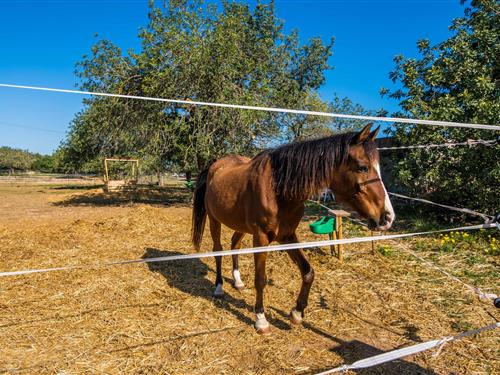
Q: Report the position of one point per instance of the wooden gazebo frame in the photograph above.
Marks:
(111, 185)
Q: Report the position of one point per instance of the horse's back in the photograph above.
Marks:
(234, 189)
(228, 161)
(227, 176)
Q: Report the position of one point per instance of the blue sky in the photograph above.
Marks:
(42, 40)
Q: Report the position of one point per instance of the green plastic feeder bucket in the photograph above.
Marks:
(324, 225)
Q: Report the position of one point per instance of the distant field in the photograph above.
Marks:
(161, 318)
(62, 179)
(48, 179)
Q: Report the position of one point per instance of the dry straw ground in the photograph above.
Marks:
(161, 318)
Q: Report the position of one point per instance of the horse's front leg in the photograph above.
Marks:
(215, 231)
(261, 324)
(307, 272)
(236, 244)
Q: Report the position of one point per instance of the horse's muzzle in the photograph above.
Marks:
(384, 223)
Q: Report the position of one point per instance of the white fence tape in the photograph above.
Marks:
(470, 142)
(404, 352)
(267, 109)
(250, 250)
(464, 210)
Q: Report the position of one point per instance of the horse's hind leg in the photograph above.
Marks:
(307, 272)
(236, 244)
(261, 324)
(215, 229)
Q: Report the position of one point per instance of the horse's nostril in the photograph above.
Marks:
(383, 219)
(372, 224)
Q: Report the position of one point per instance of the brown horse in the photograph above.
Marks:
(264, 197)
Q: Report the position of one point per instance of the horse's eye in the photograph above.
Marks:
(363, 169)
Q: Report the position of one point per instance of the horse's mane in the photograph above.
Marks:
(301, 169)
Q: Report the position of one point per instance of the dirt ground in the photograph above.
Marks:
(160, 318)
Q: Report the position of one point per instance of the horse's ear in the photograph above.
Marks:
(362, 135)
(374, 134)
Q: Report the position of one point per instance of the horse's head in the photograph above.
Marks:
(358, 182)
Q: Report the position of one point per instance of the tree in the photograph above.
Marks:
(43, 163)
(347, 106)
(236, 54)
(455, 80)
(15, 159)
(298, 127)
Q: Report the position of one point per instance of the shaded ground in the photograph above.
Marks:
(165, 196)
(160, 317)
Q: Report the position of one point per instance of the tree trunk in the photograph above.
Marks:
(160, 179)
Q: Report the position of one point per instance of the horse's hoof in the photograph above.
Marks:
(295, 317)
(264, 331)
(262, 326)
(238, 285)
(218, 292)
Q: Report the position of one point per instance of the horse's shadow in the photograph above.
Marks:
(355, 350)
(162, 196)
(189, 276)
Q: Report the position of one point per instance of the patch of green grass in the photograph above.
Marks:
(481, 243)
(461, 326)
(354, 230)
(424, 224)
(385, 250)
(479, 276)
(421, 245)
(434, 257)
(474, 258)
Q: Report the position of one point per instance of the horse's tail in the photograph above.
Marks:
(199, 210)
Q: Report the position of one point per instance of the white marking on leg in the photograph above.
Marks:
(261, 322)
(219, 291)
(238, 284)
(295, 316)
(387, 202)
